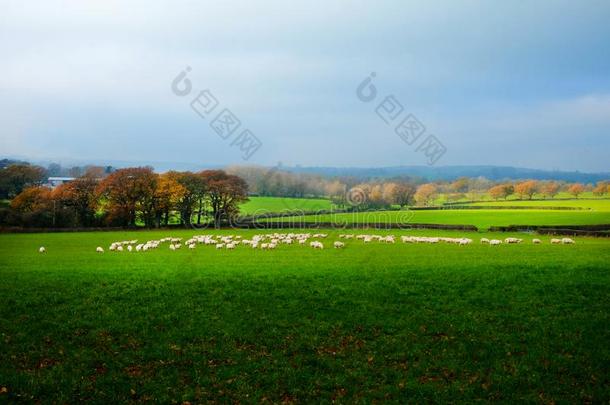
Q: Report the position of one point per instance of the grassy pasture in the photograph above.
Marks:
(402, 323)
(591, 204)
(262, 205)
(442, 198)
(483, 218)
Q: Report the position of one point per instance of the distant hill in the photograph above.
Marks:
(453, 172)
(496, 173)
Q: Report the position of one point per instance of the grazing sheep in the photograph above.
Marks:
(536, 241)
(495, 242)
(338, 245)
(484, 240)
(555, 241)
(220, 245)
(230, 245)
(119, 248)
(42, 249)
(130, 248)
(567, 241)
(192, 246)
(99, 249)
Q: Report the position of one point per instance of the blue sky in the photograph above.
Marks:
(502, 83)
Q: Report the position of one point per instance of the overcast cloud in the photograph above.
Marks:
(502, 83)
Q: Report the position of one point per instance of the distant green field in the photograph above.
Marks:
(368, 323)
(262, 205)
(481, 218)
(442, 198)
(596, 204)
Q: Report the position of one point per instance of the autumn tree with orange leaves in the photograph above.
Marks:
(225, 192)
(127, 192)
(576, 189)
(425, 193)
(526, 188)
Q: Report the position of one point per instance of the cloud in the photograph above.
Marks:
(78, 78)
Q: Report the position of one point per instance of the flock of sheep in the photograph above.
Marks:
(230, 242)
(271, 241)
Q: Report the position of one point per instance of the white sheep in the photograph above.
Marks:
(338, 245)
(555, 241)
(567, 241)
(536, 241)
(99, 249)
(484, 240)
(42, 249)
(495, 242)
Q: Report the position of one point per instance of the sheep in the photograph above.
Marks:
(407, 239)
(230, 245)
(567, 241)
(555, 241)
(42, 249)
(129, 247)
(536, 241)
(484, 240)
(220, 245)
(338, 245)
(172, 246)
(495, 242)
(119, 248)
(513, 240)
(99, 249)
(192, 246)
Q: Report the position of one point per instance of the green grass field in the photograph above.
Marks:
(402, 323)
(482, 218)
(591, 204)
(442, 198)
(263, 205)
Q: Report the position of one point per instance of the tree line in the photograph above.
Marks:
(128, 197)
(102, 196)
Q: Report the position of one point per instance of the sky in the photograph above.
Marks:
(496, 83)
